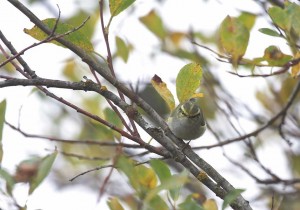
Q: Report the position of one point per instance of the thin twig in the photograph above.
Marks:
(266, 125)
(105, 182)
(113, 106)
(105, 31)
(72, 141)
(81, 157)
(49, 38)
(88, 171)
(103, 167)
(284, 69)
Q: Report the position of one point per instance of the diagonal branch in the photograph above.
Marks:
(163, 134)
(156, 133)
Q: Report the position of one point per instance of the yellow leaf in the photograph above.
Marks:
(70, 70)
(154, 23)
(114, 204)
(234, 37)
(296, 68)
(146, 176)
(210, 204)
(122, 49)
(176, 37)
(163, 91)
(76, 37)
(118, 6)
(103, 88)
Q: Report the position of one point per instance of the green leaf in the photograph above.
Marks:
(295, 164)
(43, 171)
(127, 167)
(76, 37)
(100, 132)
(154, 23)
(232, 195)
(164, 174)
(293, 11)
(288, 18)
(89, 26)
(8, 68)
(174, 182)
(113, 118)
(248, 19)
(190, 204)
(114, 204)
(188, 81)
(158, 203)
(118, 6)
(122, 49)
(9, 180)
(161, 169)
(269, 32)
(163, 91)
(2, 119)
(280, 18)
(234, 37)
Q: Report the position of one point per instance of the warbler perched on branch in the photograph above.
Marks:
(187, 121)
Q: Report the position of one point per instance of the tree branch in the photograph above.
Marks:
(156, 133)
(163, 135)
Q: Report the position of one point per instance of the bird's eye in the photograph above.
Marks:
(192, 100)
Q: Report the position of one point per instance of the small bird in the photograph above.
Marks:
(187, 121)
